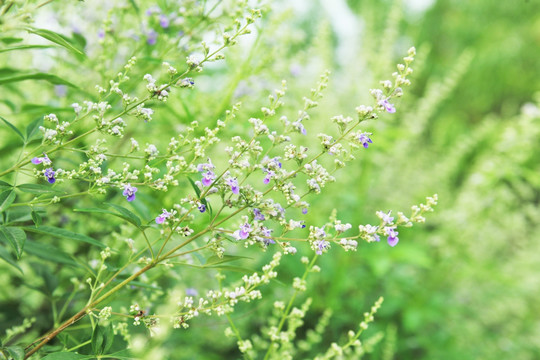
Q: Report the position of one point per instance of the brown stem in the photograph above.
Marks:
(84, 311)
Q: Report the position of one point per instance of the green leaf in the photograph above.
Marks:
(15, 236)
(49, 252)
(9, 104)
(4, 185)
(122, 354)
(195, 187)
(25, 47)
(33, 128)
(214, 260)
(12, 127)
(4, 254)
(134, 220)
(67, 356)
(79, 39)
(37, 189)
(16, 352)
(53, 79)
(102, 339)
(36, 218)
(134, 4)
(4, 71)
(55, 38)
(44, 109)
(137, 283)
(126, 214)
(6, 199)
(63, 234)
(198, 192)
(10, 40)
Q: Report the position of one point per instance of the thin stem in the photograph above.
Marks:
(79, 346)
(289, 307)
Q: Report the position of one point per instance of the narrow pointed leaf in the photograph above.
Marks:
(53, 79)
(5, 186)
(37, 189)
(6, 199)
(55, 38)
(7, 257)
(33, 128)
(25, 47)
(36, 218)
(14, 236)
(128, 215)
(12, 127)
(63, 234)
(49, 252)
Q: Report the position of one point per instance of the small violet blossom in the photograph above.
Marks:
(49, 175)
(388, 106)
(258, 215)
(364, 139)
(269, 175)
(304, 211)
(244, 231)
(163, 21)
(266, 234)
(208, 176)
(151, 37)
(45, 160)
(202, 208)
(321, 246)
(233, 183)
(191, 292)
(392, 236)
(129, 192)
(386, 218)
(164, 216)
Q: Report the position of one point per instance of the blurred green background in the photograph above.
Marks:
(466, 284)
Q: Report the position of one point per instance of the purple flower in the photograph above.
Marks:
(151, 37)
(392, 236)
(244, 231)
(376, 237)
(233, 183)
(202, 208)
(258, 215)
(389, 107)
(161, 218)
(49, 175)
(321, 246)
(266, 234)
(205, 166)
(304, 211)
(208, 178)
(386, 218)
(129, 192)
(187, 82)
(269, 175)
(101, 34)
(191, 292)
(45, 160)
(300, 127)
(163, 21)
(364, 139)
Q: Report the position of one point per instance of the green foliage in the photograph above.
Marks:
(464, 286)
